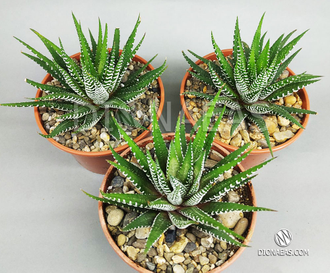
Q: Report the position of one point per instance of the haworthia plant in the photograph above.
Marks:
(92, 90)
(250, 79)
(175, 188)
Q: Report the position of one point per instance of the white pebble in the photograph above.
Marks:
(105, 136)
(178, 269)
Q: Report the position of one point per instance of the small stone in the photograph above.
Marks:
(290, 100)
(140, 243)
(187, 260)
(131, 233)
(205, 268)
(190, 270)
(233, 197)
(196, 252)
(191, 237)
(109, 208)
(254, 128)
(213, 259)
(236, 140)
(256, 135)
(82, 144)
(131, 240)
(141, 257)
(139, 114)
(115, 216)
(188, 83)
(179, 246)
(124, 79)
(94, 131)
(161, 239)
(168, 256)
(159, 260)
(170, 236)
(190, 247)
(284, 74)
(75, 146)
(223, 256)
(294, 128)
(198, 233)
(178, 269)
(263, 143)
(214, 155)
(283, 121)
(162, 268)
(134, 133)
(224, 130)
(228, 174)
(178, 259)
(105, 137)
(149, 146)
(209, 163)
(169, 269)
(241, 226)
(132, 252)
(152, 252)
(181, 232)
(121, 239)
(61, 140)
(45, 117)
(151, 266)
(283, 136)
(207, 241)
(218, 248)
(142, 233)
(202, 248)
(271, 126)
(223, 245)
(160, 250)
(203, 260)
(86, 149)
(117, 182)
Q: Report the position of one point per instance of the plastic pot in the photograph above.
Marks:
(256, 156)
(102, 214)
(96, 161)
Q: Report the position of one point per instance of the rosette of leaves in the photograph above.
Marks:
(175, 189)
(250, 79)
(91, 90)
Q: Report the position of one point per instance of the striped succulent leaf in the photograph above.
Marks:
(250, 78)
(92, 87)
(174, 188)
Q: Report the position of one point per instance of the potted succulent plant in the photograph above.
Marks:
(260, 92)
(77, 99)
(173, 187)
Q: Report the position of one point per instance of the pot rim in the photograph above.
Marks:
(302, 92)
(136, 266)
(119, 149)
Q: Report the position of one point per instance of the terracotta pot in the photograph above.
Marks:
(103, 219)
(96, 161)
(256, 156)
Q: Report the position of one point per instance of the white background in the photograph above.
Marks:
(48, 225)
